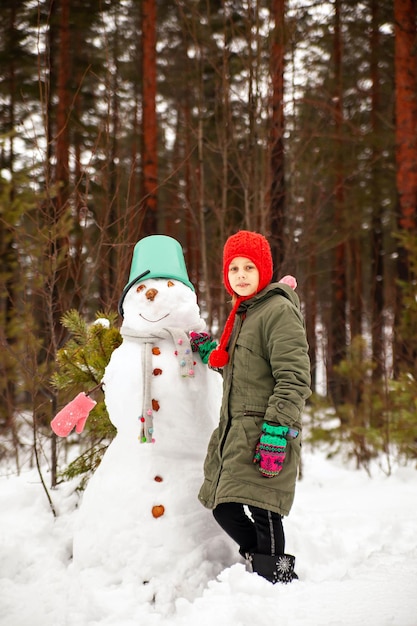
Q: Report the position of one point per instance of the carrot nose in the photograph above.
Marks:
(150, 294)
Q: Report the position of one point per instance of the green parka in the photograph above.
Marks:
(267, 379)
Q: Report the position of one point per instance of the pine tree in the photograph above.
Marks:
(80, 367)
(82, 360)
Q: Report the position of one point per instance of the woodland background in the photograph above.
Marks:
(124, 118)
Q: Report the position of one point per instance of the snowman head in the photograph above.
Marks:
(159, 293)
(155, 303)
(156, 256)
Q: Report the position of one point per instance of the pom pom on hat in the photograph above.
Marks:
(255, 247)
(289, 280)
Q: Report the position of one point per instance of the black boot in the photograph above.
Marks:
(276, 569)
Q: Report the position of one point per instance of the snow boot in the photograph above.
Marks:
(276, 569)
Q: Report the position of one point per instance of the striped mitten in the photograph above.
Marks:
(270, 450)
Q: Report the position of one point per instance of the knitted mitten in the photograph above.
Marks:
(203, 343)
(74, 413)
(270, 450)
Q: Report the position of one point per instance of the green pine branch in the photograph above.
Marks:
(80, 366)
(82, 360)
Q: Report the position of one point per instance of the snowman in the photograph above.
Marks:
(140, 518)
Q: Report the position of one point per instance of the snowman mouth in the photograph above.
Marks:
(153, 321)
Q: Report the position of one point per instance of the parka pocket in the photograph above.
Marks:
(241, 442)
(251, 413)
(293, 433)
(240, 449)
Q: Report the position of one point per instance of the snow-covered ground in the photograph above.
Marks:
(354, 538)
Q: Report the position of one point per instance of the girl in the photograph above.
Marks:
(253, 454)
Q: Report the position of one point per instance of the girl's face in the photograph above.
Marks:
(243, 276)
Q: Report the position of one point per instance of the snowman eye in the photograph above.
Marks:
(170, 283)
(140, 288)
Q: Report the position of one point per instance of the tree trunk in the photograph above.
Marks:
(59, 241)
(406, 144)
(376, 234)
(310, 291)
(277, 136)
(337, 343)
(406, 110)
(9, 259)
(62, 111)
(133, 223)
(149, 120)
(57, 181)
(354, 264)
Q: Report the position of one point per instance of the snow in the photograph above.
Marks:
(354, 538)
(108, 559)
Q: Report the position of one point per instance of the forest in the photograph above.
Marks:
(191, 118)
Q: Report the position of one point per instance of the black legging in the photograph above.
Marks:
(264, 535)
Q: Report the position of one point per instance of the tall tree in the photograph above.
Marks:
(277, 206)
(405, 14)
(149, 118)
(16, 105)
(337, 337)
(62, 137)
(376, 234)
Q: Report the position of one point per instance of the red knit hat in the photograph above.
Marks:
(255, 247)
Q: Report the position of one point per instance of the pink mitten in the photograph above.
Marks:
(74, 413)
(289, 280)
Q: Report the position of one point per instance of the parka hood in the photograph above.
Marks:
(271, 290)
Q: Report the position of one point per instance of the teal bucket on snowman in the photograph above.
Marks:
(156, 256)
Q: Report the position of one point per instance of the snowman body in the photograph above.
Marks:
(140, 512)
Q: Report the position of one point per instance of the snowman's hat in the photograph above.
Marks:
(156, 256)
